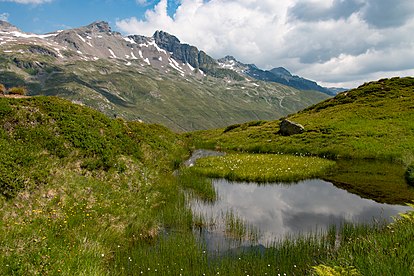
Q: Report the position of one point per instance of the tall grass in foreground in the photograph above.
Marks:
(384, 251)
(263, 167)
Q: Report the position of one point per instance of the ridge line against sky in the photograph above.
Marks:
(341, 43)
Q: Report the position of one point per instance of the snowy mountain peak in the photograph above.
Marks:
(230, 62)
(228, 59)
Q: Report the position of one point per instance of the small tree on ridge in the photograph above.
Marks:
(20, 90)
(2, 89)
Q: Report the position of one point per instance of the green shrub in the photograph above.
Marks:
(2, 89)
(409, 175)
(18, 90)
(231, 127)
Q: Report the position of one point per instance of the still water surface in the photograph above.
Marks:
(278, 209)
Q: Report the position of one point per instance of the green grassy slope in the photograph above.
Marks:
(75, 186)
(375, 120)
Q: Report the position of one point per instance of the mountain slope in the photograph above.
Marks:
(153, 79)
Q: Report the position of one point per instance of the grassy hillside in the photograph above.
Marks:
(79, 189)
(375, 120)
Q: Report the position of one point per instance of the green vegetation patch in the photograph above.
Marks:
(263, 167)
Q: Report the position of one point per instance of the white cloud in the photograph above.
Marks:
(28, 1)
(4, 16)
(330, 41)
(144, 2)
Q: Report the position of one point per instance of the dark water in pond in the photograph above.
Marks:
(278, 210)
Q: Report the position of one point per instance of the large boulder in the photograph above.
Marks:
(288, 128)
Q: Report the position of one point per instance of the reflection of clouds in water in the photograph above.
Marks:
(278, 209)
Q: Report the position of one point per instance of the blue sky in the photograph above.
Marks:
(341, 43)
(40, 16)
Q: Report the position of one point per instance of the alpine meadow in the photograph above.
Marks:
(143, 155)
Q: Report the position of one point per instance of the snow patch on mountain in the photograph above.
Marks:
(112, 53)
(133, 55)
(81, 38)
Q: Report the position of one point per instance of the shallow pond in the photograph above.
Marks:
(275, 211)
(280, 210)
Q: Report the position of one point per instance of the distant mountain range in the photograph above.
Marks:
(155, 79)
(279, 75)
(198, 59)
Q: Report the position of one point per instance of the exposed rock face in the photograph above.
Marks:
(7, 27)
(186, 53)
(99, 27)
(36, 49)
(288, 128)
(182, 52)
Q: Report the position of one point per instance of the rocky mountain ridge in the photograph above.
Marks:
(162, 51)
(278, 75)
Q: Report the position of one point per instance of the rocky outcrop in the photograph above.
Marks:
(36, 49)
(7, 27)
(186, 53)
(99, 27)
(288, 128)
(182, 52)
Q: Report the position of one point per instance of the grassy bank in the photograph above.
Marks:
(263, 167)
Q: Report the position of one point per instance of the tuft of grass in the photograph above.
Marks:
(323, 270)
(383, 251)
(238, 229)
(263, 167)
(197, 185)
